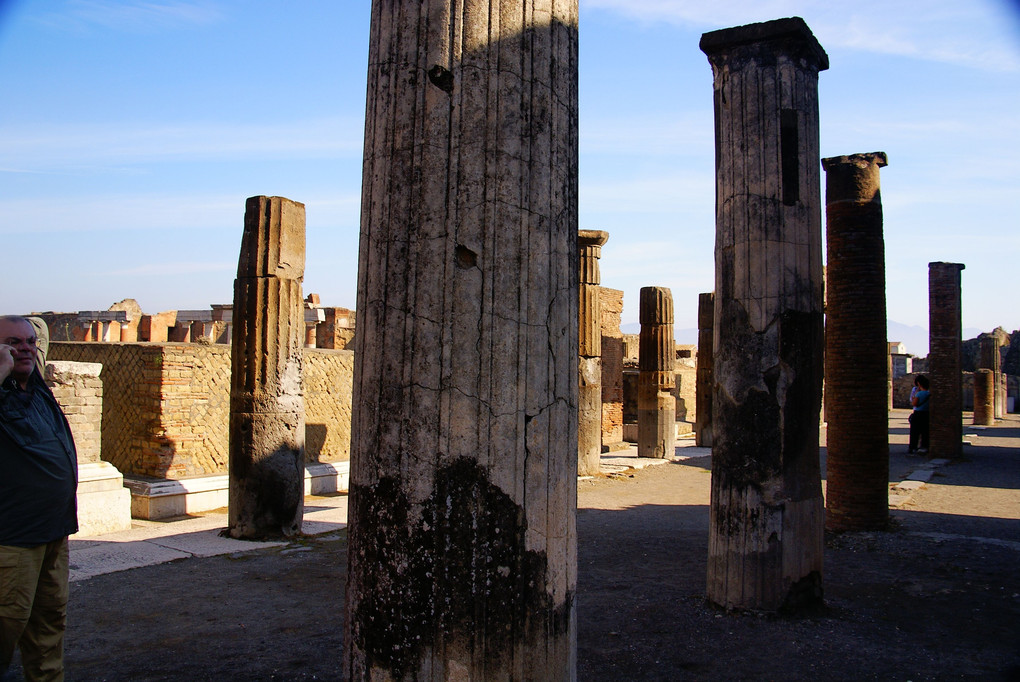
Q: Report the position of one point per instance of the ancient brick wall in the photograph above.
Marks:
(78, 389)
(327, 386)
(612, 366)
(166, 407)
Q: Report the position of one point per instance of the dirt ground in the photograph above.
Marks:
(936, 597)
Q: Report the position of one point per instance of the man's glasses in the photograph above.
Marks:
(15, 341)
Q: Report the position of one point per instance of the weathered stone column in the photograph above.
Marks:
(766, 518)
(462, 560)
(984, 397)
(703, 390)
(267, 412)
(856, 349)
(945, 327)
(589, 399)
(991, 359)
(656, 406)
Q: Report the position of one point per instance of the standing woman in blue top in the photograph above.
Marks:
(919, 422)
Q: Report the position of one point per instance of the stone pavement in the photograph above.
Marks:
(155, 542)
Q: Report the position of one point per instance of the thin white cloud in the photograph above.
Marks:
(977, 34)
(40, 147)
(174, 268)
(132, 16)
(157, 212)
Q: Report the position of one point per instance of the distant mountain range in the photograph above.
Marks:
(914, 338)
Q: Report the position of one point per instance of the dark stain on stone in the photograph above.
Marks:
(441, 77)
(800, 343)
(457, 579)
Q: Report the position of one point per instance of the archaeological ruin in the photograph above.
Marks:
(857, 390)
(766, 518)
(461, 537)
(656, 406)
(944, 365)
(589, 400)
(267, 410)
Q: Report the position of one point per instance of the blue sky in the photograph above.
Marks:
(131, 133)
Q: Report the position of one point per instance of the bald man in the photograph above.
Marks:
(38, 482)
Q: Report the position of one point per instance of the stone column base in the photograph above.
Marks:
(104, 504)
(165, 498)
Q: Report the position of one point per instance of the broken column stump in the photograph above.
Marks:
(984, 397)
(991, 359)
(856, 350)
(267, 413)
(589, 399)
(766, 517)
(703, 387)
(462, 558)
(656, 406)
(945, 368)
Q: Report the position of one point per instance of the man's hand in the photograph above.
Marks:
(6, 361)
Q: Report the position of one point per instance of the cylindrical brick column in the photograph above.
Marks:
(856, 349)
(463, 489)
(984, 397)
(703, 388)
(767, 518)
(589, 399)
(656, 406)
(991, 359)
(945, 371)
(267, 414)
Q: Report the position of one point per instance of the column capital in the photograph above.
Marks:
(790, 36)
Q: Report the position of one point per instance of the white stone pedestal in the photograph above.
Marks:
(104, 504)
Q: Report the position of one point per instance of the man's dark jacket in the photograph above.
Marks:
(38, 466)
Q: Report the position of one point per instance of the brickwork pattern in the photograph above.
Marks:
(856, 350)
(945, 368)
(166, 407)
(612, 366)
(78, 390)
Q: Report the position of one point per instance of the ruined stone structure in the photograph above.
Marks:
(589, 398)
(991, 359)
(656, 407)
(945, 327)
(267, 413)
(857, 360)
(766, 518)
(984, 397)
(612, 369)
(462, 540)
(104, 504)
(706, 317)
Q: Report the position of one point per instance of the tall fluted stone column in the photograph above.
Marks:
(856, 348)
(991, 359)
(945, 367)
(267, 412)
(984, 397)
(462, 560)
(766, 518)
(656, 406)
(589, 399)
(703, 389)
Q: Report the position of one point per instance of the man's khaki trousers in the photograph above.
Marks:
(33, 608)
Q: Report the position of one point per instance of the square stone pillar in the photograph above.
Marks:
(703, 388)
(945, 367)
(856, 349)
(267, 414)
(612, 369)
(463, 490)
(766, 518)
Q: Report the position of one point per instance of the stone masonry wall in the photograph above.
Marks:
(166, 406)
(78, 390)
